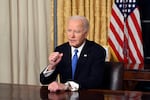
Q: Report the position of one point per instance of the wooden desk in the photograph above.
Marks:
(19, 92)
(29, 92)
(136, 77)
(94, 94)
(133, 74)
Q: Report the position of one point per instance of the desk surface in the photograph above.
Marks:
(137, 72)
(29, 92)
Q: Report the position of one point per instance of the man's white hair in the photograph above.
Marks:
(84, 21)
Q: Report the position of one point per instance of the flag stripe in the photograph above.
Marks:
(134, 43)
(116, 35)
(125, 35)
(114, 48)
(134, 38)
(114, 14)
(137, 23)
(117, 43)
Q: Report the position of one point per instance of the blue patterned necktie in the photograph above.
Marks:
(74, 62)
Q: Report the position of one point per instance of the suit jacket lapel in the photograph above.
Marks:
(82, 59)
(67, 58)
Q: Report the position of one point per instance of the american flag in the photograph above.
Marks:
(125, 35)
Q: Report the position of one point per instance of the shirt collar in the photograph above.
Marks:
(79, 49)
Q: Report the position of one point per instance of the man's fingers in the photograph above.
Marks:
(55, 56)
(54, 87)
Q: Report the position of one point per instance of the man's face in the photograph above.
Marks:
(76, 33)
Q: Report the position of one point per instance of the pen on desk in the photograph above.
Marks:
(58, 78)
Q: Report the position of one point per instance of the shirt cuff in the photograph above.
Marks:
(73, 85)
(74, 96)
(47, 73)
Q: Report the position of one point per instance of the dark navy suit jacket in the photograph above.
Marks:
(89, 71)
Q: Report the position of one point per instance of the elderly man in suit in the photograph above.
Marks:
(86, 71)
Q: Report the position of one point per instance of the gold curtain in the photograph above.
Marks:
(96, 11)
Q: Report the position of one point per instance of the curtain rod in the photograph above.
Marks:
(55, 23)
